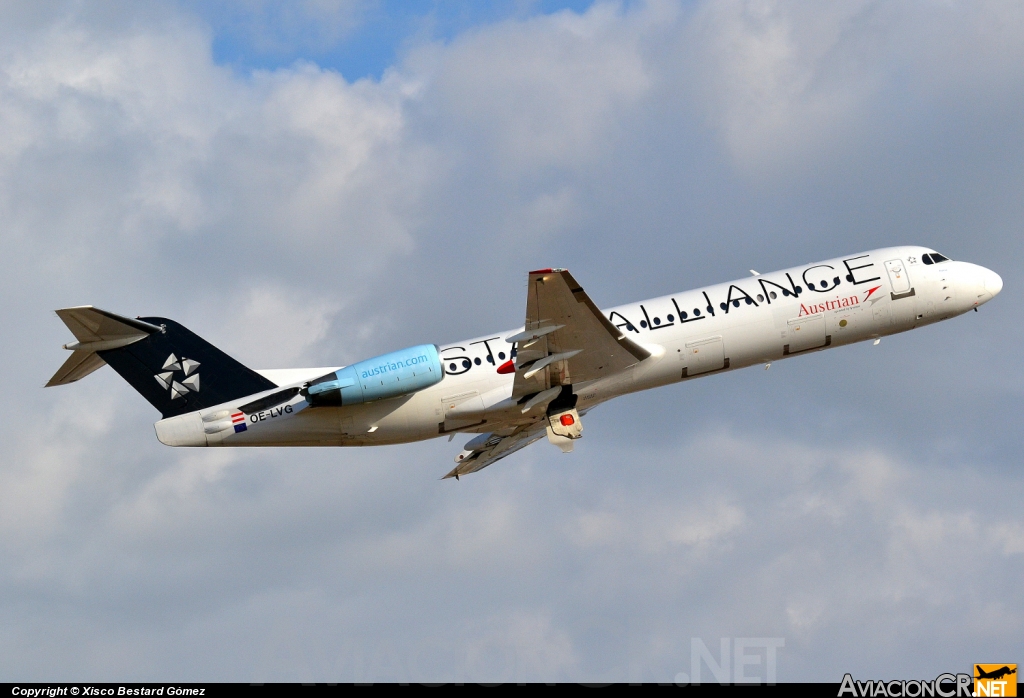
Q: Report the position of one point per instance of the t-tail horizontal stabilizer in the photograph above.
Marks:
(96, 330)
(174, 369)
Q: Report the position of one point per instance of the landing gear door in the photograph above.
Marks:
(899, 278)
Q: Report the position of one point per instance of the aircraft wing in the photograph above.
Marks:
(497, 447)
(567, 338)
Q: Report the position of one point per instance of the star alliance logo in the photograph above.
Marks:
(189, 382)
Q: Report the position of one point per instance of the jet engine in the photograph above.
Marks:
(389, 375)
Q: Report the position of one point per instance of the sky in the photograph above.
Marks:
(313, 183)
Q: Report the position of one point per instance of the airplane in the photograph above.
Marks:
(515, 387)
(995, 674)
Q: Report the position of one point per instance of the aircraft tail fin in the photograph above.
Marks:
(173, 368)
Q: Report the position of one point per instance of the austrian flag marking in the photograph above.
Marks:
(238, 420)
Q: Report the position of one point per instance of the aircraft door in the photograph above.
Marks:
(901, 308)
(462, 410)
(899, 279)
(704, 355)
(806, 333)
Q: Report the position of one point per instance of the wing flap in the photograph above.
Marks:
(567, 339)
(506, 447)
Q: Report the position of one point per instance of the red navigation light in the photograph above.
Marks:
(566, 420)
(507, 367)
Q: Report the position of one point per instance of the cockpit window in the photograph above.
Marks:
(933, 258)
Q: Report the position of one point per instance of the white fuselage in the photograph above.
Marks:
(689, 334)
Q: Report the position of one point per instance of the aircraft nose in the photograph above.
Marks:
(993, 282)
(980, 285)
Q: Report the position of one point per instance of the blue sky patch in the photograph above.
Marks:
(358, 39)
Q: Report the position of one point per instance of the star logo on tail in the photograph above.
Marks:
(189, 382)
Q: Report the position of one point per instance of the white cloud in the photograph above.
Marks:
(45, 462)
(780, 85)
(271, 325)
(541, 93)
(1011, 535)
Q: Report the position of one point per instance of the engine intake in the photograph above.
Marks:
(389, 375)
